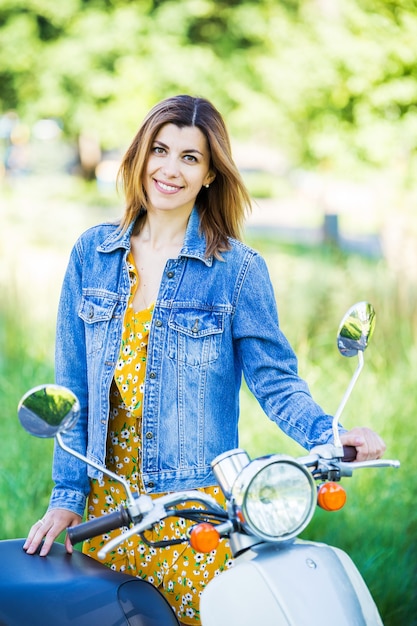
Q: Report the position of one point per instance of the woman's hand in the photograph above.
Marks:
(368, 444)
(48, 528)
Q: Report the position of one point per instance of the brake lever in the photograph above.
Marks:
(157, 513)
(365, 464)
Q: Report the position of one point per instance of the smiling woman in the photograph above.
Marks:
(178, 165)
(160, 316)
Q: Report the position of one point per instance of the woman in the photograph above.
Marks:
(159, 317)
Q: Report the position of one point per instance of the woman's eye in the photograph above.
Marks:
(158, 150)
(190, 157)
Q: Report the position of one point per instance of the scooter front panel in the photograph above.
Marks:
(301, 583)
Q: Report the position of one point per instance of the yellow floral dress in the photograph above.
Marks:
(178, 571)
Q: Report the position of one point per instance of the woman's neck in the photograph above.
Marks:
(161, 231)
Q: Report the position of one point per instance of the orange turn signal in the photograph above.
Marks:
(204, 537)
(331, 496)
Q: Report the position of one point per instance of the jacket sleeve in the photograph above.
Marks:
(269, 363)
(69, 473)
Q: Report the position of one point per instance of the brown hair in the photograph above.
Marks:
(223, 206)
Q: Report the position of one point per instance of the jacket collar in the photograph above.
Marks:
(194, 242)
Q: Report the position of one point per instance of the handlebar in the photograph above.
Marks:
(147, 512)
(98, 526)
(349, 454)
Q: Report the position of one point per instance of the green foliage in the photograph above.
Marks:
(377, 526)
(25, 481)
(331, 83)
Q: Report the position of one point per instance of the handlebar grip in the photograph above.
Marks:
(98, 526)
(349, 454)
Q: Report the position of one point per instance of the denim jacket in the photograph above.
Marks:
(213, 320)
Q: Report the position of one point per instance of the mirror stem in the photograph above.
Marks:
(336, 435)
(100, 468)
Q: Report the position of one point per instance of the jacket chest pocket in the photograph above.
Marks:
(195, 336)
(96, 312)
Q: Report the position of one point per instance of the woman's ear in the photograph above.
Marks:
(209, 179)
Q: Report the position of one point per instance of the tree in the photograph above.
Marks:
(330, 82)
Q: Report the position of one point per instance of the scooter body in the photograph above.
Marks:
(64, 590)
(290, 585)
(273, 585)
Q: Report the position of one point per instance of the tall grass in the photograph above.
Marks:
(313, 287)
(25, 462)
(377, 527)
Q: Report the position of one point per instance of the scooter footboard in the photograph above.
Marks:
(305, 583)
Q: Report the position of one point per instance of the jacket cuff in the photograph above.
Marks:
(66, 499)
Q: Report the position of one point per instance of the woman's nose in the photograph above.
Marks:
(170, 167)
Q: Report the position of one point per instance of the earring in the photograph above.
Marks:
(206, 186)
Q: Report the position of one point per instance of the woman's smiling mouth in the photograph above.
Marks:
(165, 187)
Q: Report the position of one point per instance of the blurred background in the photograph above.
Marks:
(320, 97)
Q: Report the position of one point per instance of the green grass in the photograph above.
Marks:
(313, 288)
(378, 525)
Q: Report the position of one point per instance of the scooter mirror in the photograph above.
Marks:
(356, 329)
(47, 410)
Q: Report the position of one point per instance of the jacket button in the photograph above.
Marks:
(151, 484)
(152, 375)
(90, 312)
(149, 435)
(158, 323)
(170, 274)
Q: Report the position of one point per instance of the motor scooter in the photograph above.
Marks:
(276, 579)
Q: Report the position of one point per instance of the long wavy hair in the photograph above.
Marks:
(224, 205)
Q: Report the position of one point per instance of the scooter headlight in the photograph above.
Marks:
(275, 497)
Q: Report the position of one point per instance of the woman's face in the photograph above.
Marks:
(178, 166)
